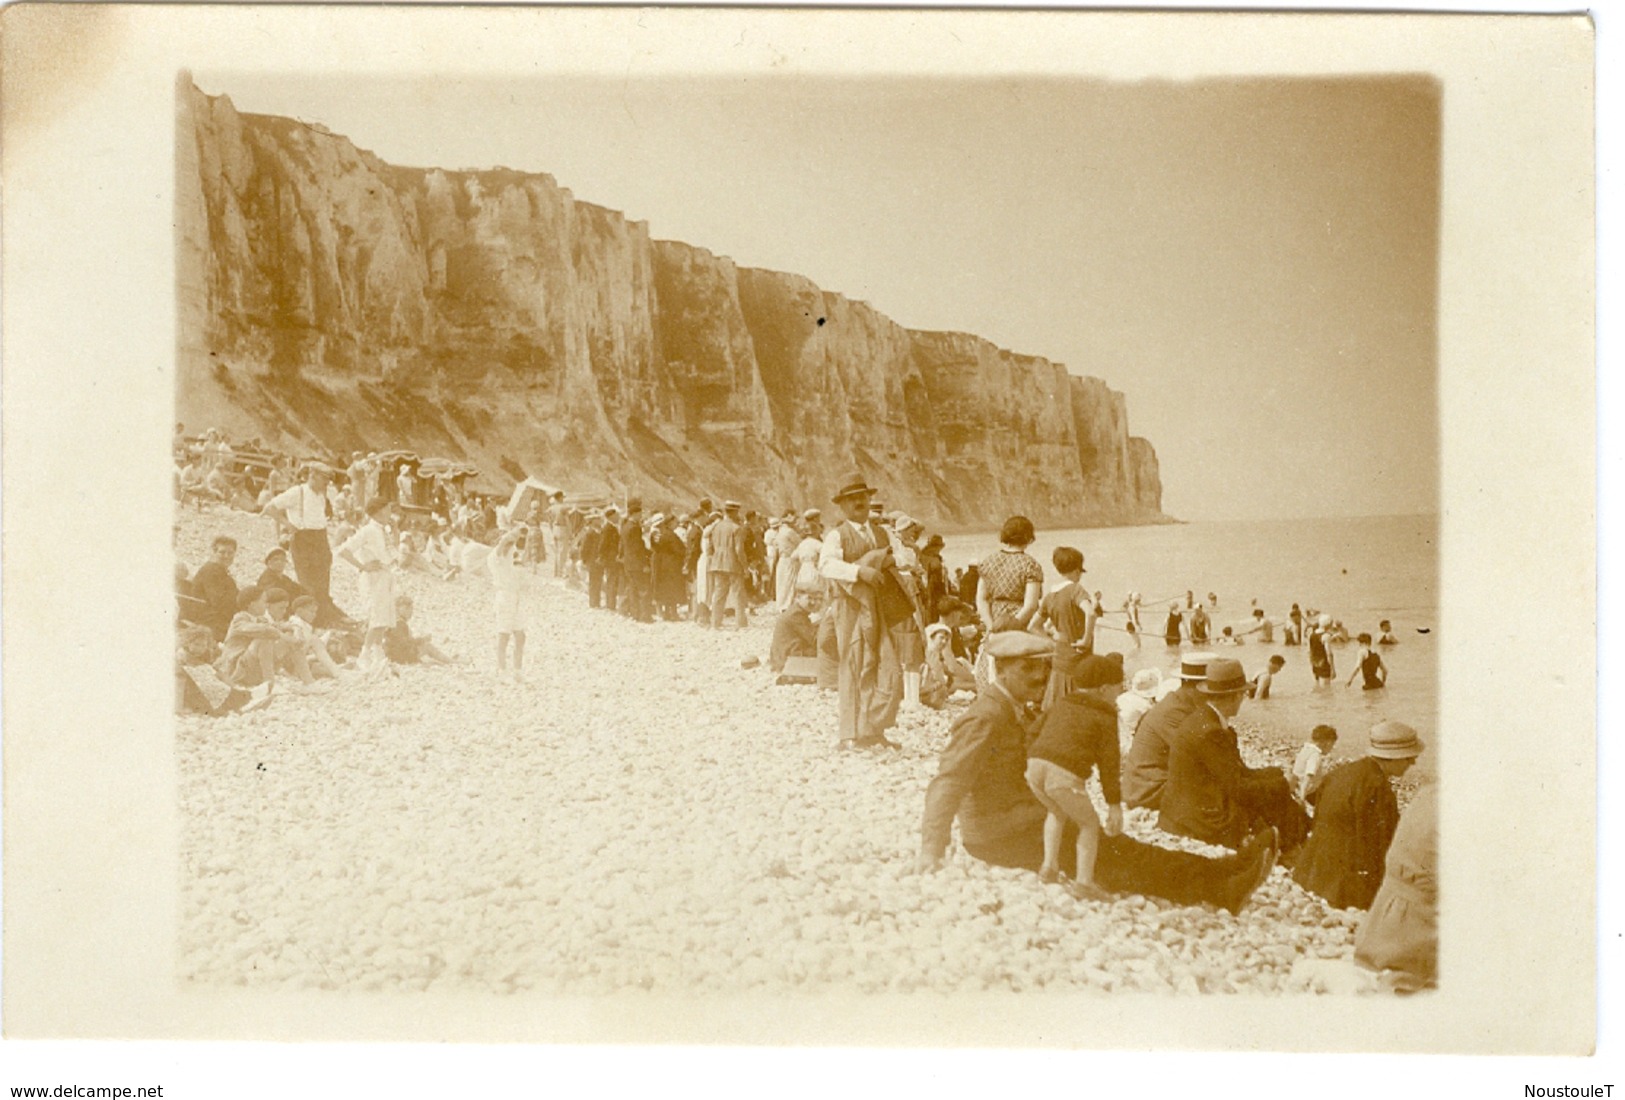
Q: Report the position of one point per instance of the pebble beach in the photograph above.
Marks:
(642, 813)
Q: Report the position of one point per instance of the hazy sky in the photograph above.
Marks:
(1252, 262)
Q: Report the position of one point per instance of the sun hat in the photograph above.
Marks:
(1194, 665)
(1011, 645)
(903, 521)
(1392, 740)
(730, 506)
(1224, 677)
(937, 628)
(1096, 671)
(812, 513)
(1324, 620)
(857, 487)
(1145, 683)
(657, 519)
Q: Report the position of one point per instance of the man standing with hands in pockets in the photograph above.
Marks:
(853, 558)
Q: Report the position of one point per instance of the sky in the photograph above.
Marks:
(1253, 263)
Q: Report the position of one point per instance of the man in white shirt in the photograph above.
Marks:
(303, 510)
(852, 558)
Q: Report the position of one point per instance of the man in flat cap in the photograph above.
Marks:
(1210, 794)
(982, 781)
(854, 555)
(303, 510)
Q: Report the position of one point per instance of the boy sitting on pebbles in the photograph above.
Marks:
(1079, 735)
(405, 648)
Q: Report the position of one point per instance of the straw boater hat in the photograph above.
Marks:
(812, 513)
(1224, 677)
(1194, 665)
(730, 506)
(857, 487)
(1394, 741)
(657, 519)
(1015, 645)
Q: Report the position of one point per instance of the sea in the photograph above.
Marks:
(1359, 570)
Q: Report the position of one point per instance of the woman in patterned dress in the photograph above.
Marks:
(1009, 585)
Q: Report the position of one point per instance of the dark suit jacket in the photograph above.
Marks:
(609, 547)
(634, 551)
(1146, 769)
(1207, 793)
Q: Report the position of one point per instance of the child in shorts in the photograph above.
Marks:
(1079, 735)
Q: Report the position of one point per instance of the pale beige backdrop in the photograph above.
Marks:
(88, 345)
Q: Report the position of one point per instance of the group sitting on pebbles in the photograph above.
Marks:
(1053, 767)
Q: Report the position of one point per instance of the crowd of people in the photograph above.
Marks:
(1053, 743)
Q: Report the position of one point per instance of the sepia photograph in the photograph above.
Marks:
(618, 612)
(861, 528)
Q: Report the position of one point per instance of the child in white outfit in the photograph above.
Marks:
(508, 579)
(1312, 764)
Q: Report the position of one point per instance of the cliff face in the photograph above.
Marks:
(330, 301)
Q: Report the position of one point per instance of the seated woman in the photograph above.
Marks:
(1400, 936)
(1356, 814)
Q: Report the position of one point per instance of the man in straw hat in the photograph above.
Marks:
(1210, 795)
(982, 781)
(853, 557)
(1146, 769)
(1356, 814)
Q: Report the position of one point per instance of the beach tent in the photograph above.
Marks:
(526, 493)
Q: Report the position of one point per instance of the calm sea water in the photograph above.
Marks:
(1360, 570)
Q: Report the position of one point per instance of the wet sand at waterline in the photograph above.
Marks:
(641, 814)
